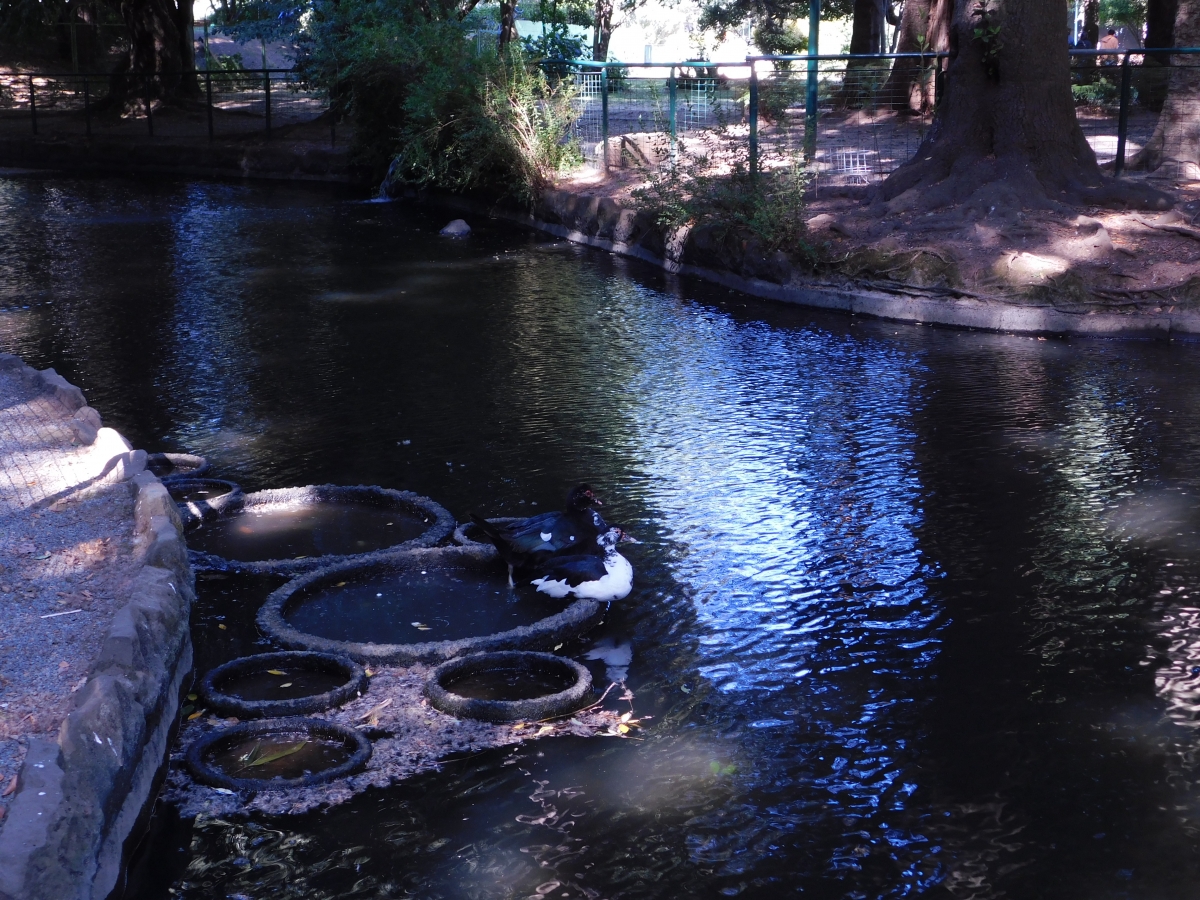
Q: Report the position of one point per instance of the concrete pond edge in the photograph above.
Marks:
(82, 801)
(604, 224)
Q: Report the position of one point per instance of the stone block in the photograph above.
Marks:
(86, 424)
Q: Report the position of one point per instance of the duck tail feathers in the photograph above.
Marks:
(490, 530)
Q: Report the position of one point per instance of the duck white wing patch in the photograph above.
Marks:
(546, 535)
(556, 589)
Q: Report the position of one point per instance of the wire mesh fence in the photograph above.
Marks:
(853, 119)
(213, 103)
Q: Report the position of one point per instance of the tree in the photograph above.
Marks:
(1005, 135)
(773, 32)
(160, 62)
(1160, 32)
(1176, 137)
(924, 28)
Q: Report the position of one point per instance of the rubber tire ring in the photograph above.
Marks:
(191, 466)
(210, 775)
(535, 709)
(231, 705)
(193, 511)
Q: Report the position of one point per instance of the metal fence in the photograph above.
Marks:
(854, 119)
(221, 103)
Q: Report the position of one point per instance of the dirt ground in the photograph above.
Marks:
(1080, 259)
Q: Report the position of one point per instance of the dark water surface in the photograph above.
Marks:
(417, 606)
(280, 756)
(293, 530)
(914, 614)
(290, 685)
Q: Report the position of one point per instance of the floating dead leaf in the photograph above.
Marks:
(625, 717)
(275, 672)
(545, 729)
(622, 728)
(340, 584)
(278, 754)
(12, 786)
(371, 716)
(191, 696)
(42, 555)
(223, 790)
(517, 726)
(222, 627)
(286, 684)
(424, 628)
(197, 714)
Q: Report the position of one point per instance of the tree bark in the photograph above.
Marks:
(1176, 138)
(508, 22)
(924, 27)
(867, 34)
(153, 67)
(604, 28)
(1151, 78)
(1091, 23)
(1004, 135)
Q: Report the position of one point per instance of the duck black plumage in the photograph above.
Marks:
(606, 577)
(528, 543)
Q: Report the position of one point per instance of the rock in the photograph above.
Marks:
(458, 228)
(824, 220)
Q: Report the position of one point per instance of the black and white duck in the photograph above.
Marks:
(528, 543)
(589, 576)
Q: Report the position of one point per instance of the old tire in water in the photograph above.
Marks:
(354, 685)
(227, 497)
(467, 534)
(220, 739)
(172, 466)
(571, 622)
(437, 521)
(440, 683)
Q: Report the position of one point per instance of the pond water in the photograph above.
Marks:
(282, 755)
(416, 606)
(509, 684)
(915, 610)
(296, 530)
(289, 684)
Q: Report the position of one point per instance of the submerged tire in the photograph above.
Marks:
(171, 466)
(193, 511)
(533, 709)
(579, 617)
(221, 738)
(439, 524)
(355, 685)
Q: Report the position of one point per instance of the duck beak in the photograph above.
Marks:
(627, 538)
(595, 500)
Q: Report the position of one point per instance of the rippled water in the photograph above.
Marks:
(915, 610)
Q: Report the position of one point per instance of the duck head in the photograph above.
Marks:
(582, 497)
(609, 539)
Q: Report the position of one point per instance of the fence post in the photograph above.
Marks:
(1123, 118)
(33, 104)
(267, 87)
(208, 94)
(671, 104)
(810, 93)
(753, 120)
(604, 113)
(87, 106)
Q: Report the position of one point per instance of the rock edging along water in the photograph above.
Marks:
(80, 800)
(543, 634)
(601, 222)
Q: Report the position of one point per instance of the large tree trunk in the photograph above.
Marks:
(1091, 23)
(1176, 138)
(867, 34)
(1151, 77)
(153, 67)
(508, 22)
(1004, 135)
(604, 29)
(924, 27)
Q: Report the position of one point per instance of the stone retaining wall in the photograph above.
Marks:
(80, 801)
(604, 223)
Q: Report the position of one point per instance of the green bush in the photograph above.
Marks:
(436, 108)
